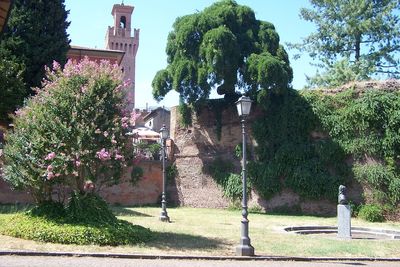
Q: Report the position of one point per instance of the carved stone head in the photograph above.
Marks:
(342, 198)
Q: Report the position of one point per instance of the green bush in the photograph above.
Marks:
(88, 209)
(222, 172)
(87, 219)
(185, 111)
(44, 229)
(371, 213)
(48, 209)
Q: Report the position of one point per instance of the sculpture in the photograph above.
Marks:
(342, 198)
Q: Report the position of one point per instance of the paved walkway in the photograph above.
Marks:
(59, 261)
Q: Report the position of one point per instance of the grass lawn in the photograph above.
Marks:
(217, 232)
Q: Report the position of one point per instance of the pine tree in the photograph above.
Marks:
(36, 35)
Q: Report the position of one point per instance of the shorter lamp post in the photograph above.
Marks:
(164, 136)
(245, 248)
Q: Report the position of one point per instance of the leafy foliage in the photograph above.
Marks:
(223, 47)
(287, 155)
(308, 136)
(186, 114)
(12, 87)
(371, 213)
(86, 220)
(354, 40)
(34, 39)
(222, 172)
(72, 133)
(88, 209)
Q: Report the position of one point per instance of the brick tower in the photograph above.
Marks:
(119, 37)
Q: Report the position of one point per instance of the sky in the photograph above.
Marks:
(91, 18)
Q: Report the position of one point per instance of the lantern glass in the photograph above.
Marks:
(243, 106)
(164, 132)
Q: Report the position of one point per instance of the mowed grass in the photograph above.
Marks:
(217, 232)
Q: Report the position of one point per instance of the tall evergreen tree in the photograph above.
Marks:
(36, 35)
(223, 47)
(354, 40)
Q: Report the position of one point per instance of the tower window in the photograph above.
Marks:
(122, 22)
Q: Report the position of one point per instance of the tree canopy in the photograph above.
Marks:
(35, 37)
(354, 39)
(223, 47)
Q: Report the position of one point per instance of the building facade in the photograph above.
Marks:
(121, 37)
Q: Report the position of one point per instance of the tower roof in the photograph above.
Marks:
(122, 8)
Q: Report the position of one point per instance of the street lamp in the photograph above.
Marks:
(245, 248)
(164, 136)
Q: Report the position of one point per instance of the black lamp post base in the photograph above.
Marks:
(164, 218)
(244, 250)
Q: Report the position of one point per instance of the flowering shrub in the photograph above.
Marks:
(73, 131)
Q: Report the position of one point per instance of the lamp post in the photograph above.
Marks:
(164, 135)
(245, 248)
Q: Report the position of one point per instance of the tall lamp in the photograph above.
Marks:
(244, 248)
(164, 136)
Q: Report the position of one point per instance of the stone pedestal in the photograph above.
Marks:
(344, 221)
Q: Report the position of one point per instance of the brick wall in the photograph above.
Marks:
(146, 191)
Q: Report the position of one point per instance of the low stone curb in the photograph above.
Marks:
(190, 257)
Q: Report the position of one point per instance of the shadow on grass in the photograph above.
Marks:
(278, 214)
(123, 211)
(181, 241)
(14, 208)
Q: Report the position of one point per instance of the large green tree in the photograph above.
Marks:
(223, 47)
(354, 39)
(35, 36)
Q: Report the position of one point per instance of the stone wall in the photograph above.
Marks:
(197, 146)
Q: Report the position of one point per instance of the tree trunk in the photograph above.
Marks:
(357, 47)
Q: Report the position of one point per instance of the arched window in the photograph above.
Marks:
(112, 45)
(126, 46)
(122, 22)
(130, 48)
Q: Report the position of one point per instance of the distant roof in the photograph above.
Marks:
(5, 7)
(154, 112)
(94, 53)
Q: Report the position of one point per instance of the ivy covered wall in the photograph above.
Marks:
(313, 141)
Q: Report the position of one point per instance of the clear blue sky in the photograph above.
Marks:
(90, 19)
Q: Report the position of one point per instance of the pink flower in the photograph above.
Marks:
(89, 185)
(119, 157)
(77, 163)
(49, 168)
(133, 117)
(56, 65)
(105, 134)
(50, 156)
(127, 83)
(84, 88)
(97, 131)
(50, 175)
(103, 154)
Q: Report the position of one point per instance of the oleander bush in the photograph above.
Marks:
(72, 133)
